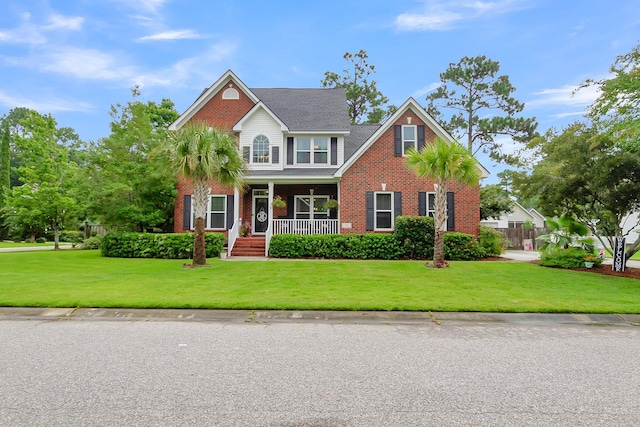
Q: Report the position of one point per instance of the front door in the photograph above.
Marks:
(260, 212)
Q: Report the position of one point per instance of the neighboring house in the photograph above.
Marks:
(300, 145)
(517, 218)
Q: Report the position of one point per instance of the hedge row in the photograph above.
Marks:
(164, 246)
(412, 239)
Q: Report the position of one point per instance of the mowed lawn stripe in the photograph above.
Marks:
(74, 278)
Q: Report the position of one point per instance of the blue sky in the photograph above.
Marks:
(74, 58)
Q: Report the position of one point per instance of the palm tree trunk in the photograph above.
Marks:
(199, 252)
(440, 218)
(200, 195)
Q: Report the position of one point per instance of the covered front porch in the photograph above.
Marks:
(268, 209)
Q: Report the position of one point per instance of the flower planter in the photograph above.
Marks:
(588, 264)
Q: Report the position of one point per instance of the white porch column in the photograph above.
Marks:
(236, 204)
(270, 202)
(339, 208)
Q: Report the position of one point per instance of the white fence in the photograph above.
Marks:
(305, 226)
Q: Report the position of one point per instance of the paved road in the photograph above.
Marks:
(261, 372)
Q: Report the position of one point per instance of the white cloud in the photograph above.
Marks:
(442, 15)
(423, 91)
(150, 6)
(84, 64)
(43, 104)
(35, 34)
(171, 35)
(565, 96)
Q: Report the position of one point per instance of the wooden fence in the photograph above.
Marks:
(518, 236)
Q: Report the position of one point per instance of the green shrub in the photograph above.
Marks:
(92, 242)
(71, 236)
(462, 247)
(335, 246)
(41, 240)
(165, 246)
(415, 235)
(491, 240)
(571, 257)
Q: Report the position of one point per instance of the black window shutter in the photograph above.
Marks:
(186, 212)
(334, 150)
(451, 214)
(230, 212)
(422, 203)
(397, 204)
(275, 154)
(290, 207)
(370, 213)
(397, 141)
(245, 153)
(420, 137)
(290, 151)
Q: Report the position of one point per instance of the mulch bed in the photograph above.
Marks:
(630, 272)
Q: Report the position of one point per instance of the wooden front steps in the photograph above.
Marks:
(249, 246)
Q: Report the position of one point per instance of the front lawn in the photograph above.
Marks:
(73, 278)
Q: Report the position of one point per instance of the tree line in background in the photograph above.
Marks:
(51, 180)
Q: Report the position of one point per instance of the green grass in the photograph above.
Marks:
(5, 244)
(84, 279)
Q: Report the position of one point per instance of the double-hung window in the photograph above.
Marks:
(217, 212)
(431, 205)
(383, 211)
(409, 138)
(312, 150)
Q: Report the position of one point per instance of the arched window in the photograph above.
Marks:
(230, 93)
(260, 149)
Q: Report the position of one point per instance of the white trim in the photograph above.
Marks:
(376, 210)
(208, 94)
(415, 137)
(231, 93)
(312, 152)
(312, 199)
(207, 219)
(259, 105)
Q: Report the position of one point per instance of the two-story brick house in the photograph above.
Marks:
(299, 144)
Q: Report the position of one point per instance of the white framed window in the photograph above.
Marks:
(383, 210)
(216, 216)
(312, 150)
(311, 207)
(431, 205)
(409, 138)
(515, 224)
(260, 149)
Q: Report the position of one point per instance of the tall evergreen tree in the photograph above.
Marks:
(485, 107)
(5, 174)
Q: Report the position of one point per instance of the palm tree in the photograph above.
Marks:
(444, 163)
(200, 153)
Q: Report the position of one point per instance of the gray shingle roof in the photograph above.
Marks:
(359, 134)
(308, 109)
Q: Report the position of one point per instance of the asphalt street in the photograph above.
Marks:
(254, 371)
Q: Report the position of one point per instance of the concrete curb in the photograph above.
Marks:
(335, 317)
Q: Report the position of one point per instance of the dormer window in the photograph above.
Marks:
(260, 149)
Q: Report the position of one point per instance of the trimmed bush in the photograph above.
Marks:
(92, 242)
(491, 240)
(571, 257)
(164, 246)
(415, 235)
(462, 247)
(334, 246)
(71, 236)
(41, 240)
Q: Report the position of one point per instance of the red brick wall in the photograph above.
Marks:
(378, 165)
(223, 113)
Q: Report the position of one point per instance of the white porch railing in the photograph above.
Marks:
(267, 239)
(232, 235)
(305, 226)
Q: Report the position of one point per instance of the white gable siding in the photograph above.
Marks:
(262, 123)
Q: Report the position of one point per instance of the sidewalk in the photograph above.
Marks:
(35, 248)
(333, 317)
